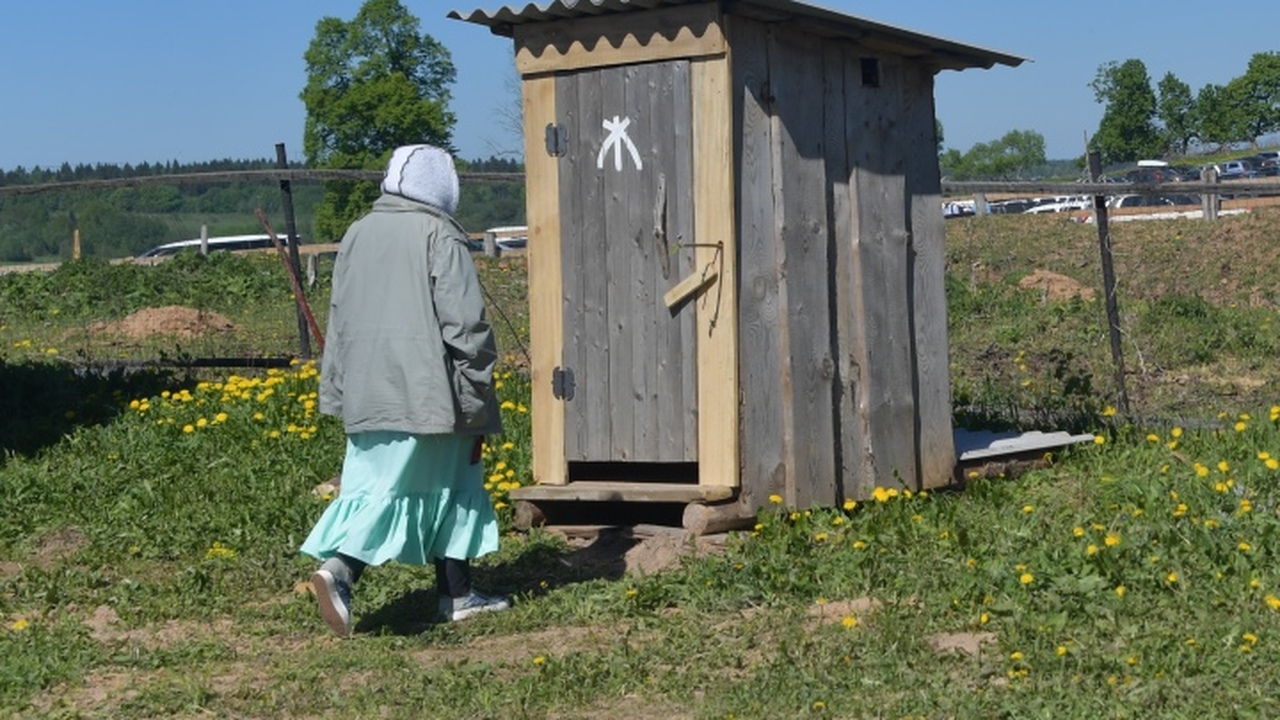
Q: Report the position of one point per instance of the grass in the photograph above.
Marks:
(148, 562)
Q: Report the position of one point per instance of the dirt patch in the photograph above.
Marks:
(964, 642)
(1055, 287)
(104, 626)
(174, 320)
(838, 610)
(59, 546)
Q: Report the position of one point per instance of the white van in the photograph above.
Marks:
(226, 242)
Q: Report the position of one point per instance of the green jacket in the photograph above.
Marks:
(408, 348)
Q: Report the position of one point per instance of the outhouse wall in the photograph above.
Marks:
(841, 313)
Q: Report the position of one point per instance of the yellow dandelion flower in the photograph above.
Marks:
(1245, 506)
(1121, 590)
(1224, 467)
(859, 544)
(850, 504)
(1201, 470)
(1028, 509)
(539, 660)
(19, 625)
(1026, 578)
(1099, 440)
(849, 621)
(1255, 583)
(775, 499)
(188, 428)
(1060, 650)
(1112, 539)
(1172, 445)
(1171, 578)
(820, 537)
(1017, 656)
(507, 405)
(1152, 437)
(1250, 638)
(1243, 546)
(1272, 602)
(1091, 550)
(983, 619)
(1108, 411)
(1176, 432)
(1272, 463)
(1077, 531)
(1241, 426)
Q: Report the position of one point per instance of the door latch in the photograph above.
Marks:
(557, 140)
(562, 384)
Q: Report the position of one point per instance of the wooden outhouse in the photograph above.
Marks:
(735, 251)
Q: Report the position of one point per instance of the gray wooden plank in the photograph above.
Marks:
(936, 442)
(849, 433)
(614, 491)
(886, 402)
(573, 181)
(796, 71)
(622, 99)
(681, 379)
(760, 362)
(593, 386)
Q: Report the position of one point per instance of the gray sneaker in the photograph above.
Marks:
(335, 601)
(473, 603)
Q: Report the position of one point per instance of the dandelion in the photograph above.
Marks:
(1026, 578)
(1152, 437)
(632, 592)
(1244, 546)
(1272, 464)
(1121, 590)
(1171, 578)
(820, 537)
(849, 621)
(188, 428)
(1224, 467)
(219, 551)
(859, 544)
(540, 660)
(850, 504)
(1131, 660)
(1091, 550)
(1108, 411)
(1060, 650)
(1028, 509)
(1250, 638)
(1099, 440)
(19, 625)
(1176, 432)
(1272, 602)
(1112, 539)
(1017, 656)
(1201, 470)
(1241, 426)
(983, 619)
(819, 705)
(775, 499)
(882, 494)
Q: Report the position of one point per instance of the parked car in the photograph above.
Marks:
(229, 242)
(1131, 201)
(1236, 169)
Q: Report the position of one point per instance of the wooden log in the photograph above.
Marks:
(528, 516)
(702, 519)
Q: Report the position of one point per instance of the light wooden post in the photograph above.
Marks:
(204, 240)
(75, 244)
(1209, 201)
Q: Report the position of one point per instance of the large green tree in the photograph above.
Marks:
(1175, 110)
(1257, 94)
(1127, 130)
(372, 83)
(1219, 116)
(1011, 157)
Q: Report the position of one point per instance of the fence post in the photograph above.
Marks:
(1109, 281)
(204, 240)
(1209, 202)
(291, 227)
(979, 204)
(491, 243)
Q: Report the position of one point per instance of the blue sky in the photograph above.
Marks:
(128, 81)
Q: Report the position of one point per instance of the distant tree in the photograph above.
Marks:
(1257, 94)
(1011, 157)
(372, 83)
(1127, 130)
(1218, 116)
(1174, 108)
(937, 133)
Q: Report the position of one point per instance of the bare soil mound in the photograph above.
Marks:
(175, 320)
(1055, 287)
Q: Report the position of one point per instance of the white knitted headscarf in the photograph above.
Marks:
(424, 173)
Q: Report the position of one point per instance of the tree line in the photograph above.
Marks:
(125, 221)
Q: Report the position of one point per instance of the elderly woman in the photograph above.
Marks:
(408, 366)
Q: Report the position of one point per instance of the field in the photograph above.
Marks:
(149, 534)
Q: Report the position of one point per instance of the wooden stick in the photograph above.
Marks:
(701, 519)
(294, 282)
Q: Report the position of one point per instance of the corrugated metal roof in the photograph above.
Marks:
(945, 53)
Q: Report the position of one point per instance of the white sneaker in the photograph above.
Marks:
(334, 597)
(473, 603)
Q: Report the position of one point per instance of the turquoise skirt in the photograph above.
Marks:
(408, 498)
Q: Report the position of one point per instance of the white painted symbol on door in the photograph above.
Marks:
(617, 137)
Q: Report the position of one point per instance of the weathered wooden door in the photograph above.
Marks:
(627, 380)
